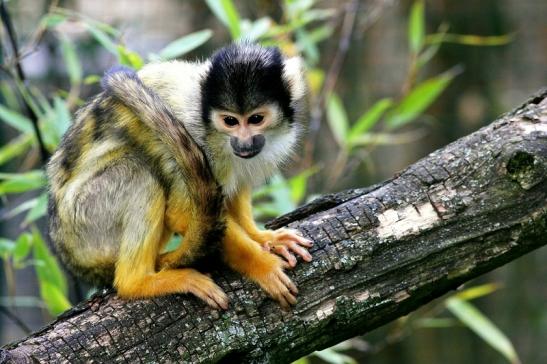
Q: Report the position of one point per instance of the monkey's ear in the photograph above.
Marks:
(294, 75)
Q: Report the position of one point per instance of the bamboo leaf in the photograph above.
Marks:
(258, 29)
(370, 118)
(227, 13)
(48, 271)
(419, 99)
(337, 119)
(22, 207)
(129, 58)
(478, 291)
(482, 326)
(333, 357)
(15, 120)
(470, 39)
(6, 247)
(55, 300)
(103, 38)
(416, 27)
(22, 247)
(72, 62)
(21, 182)
(62, 116)
(38, 210)
(52, 20)
(15, 147)
(185, 44)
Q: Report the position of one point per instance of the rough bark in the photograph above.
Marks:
(379, 253)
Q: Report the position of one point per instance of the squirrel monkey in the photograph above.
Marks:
(176, 148)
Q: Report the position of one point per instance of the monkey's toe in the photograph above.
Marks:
(286, 242)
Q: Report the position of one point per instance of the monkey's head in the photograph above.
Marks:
(253, 98)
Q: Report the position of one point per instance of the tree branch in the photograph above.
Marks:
(379, 253)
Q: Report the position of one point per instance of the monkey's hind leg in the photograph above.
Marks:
(135, 274)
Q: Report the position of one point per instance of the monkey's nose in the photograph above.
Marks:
(248, 148)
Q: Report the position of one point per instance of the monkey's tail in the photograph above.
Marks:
(124, 84)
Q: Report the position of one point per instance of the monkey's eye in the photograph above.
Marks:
(230, 121)
(255, 119)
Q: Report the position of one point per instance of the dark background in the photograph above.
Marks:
(495, 80)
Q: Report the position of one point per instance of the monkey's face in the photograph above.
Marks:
(246, 131)
(253, 104)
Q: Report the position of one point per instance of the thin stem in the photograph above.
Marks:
(13, 317)
(20, 75)
(332, 74)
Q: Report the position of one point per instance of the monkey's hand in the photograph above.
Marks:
(278, 285)
(286, 243)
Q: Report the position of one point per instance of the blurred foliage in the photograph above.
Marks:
(303, 28)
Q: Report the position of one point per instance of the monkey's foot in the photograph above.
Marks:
(205, 288)
(278, 286)
(285, 242)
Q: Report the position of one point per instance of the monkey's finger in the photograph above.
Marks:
(284, 252)
(299, 250)
(287, 282)
(285, 305)
(294, 235)
(266, 246)
(220, 298)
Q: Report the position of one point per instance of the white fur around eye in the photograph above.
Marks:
(293, 73)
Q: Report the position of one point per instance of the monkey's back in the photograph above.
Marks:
(108, 176)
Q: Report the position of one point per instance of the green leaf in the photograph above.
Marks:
(49, 270)
(173, 243)
(470, 39)
(337, 119)
(185, 44)
(303, 360)
(21, 182)
(15, 147)
(482, 326)
(52, 20)
(38, 210)
(55, 300)
(63, 118)
(279, 191)
(34, 174)
(233, 18)
(478, 291)
(226, 12)
(22, 247)
(416, 27)
(298, 184)
(435, 323)
(91, 79)
(419, 99)
(370, 118)
(258, 29)
(72, 62)
(9, 98)
(103, 38)
(129, 58)
(319, 34)
(217, 9)
(22, 207)
(387, 138)
(333, 357)
(6, 247)
(425, 56)
(307, 46)
(15, 120)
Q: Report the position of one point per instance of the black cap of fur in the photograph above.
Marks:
(243, 77)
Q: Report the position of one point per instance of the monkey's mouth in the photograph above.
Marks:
(247, 153)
